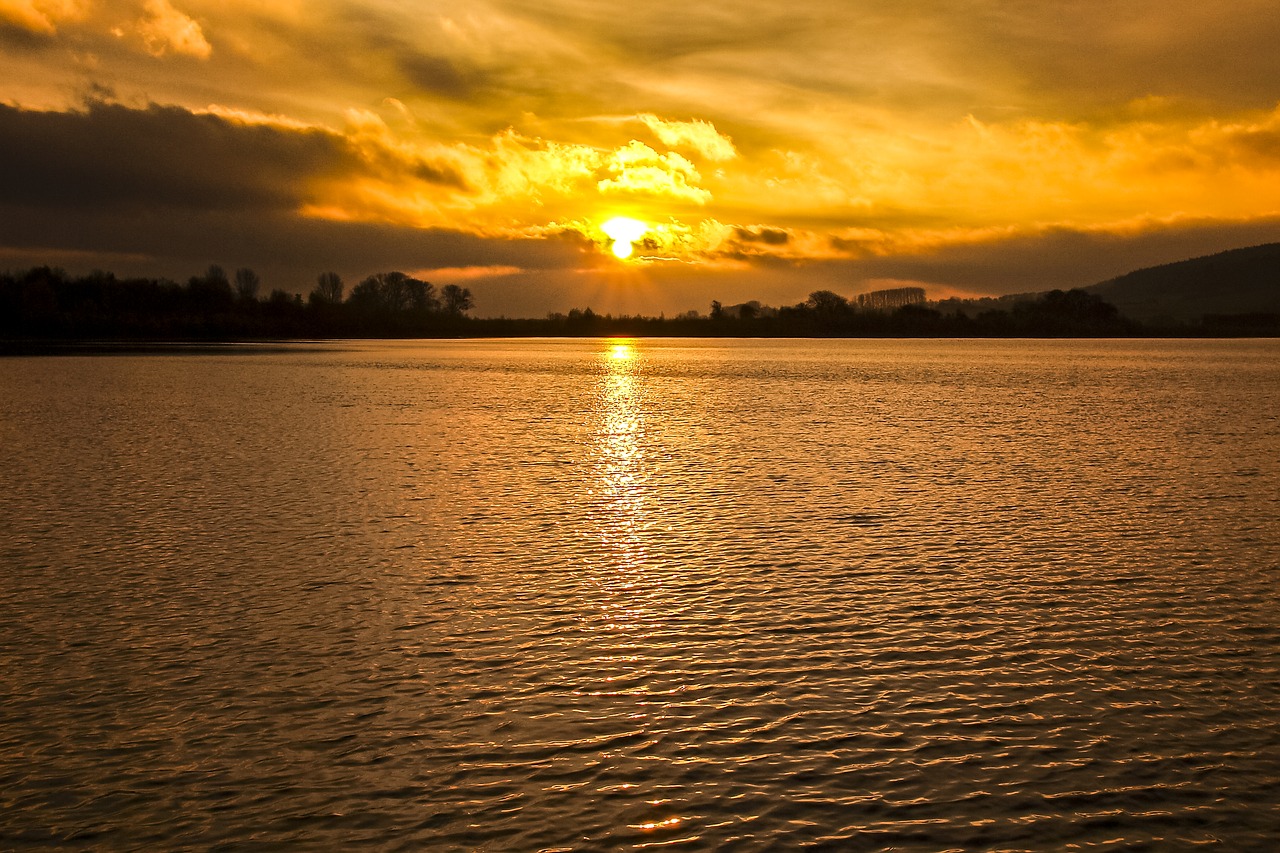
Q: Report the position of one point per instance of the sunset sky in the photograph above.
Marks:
(770, 149)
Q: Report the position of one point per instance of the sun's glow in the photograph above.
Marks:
(624, 231)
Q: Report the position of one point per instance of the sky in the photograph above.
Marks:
(970, 147)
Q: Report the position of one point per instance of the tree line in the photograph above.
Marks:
(48, 303)
(1074, 313)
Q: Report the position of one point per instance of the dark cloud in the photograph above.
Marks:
(113, 157)
(13, 37)
(437, 75)
(1261, 146)
(763, 234)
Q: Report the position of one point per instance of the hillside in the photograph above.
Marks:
(1239, 281)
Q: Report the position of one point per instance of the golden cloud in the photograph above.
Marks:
(975, 183)
(165, 30)
(454, 275)
(40, 16)
(700, 136)
(637, 168)
(511, 185)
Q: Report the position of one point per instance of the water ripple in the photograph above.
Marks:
(568, 595)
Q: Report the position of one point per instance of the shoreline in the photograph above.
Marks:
(206, 346)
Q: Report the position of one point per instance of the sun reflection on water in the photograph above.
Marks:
(620, 456)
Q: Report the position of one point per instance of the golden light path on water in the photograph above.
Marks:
(621, 458)
(624, 523)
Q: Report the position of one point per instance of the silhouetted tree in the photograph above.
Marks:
(393, 293)
(1067, 313)
(827, 303)
(210, 292)
(457, 300)
(582, 320)
(891, 299)
(280, 297)
(380, 292)
(247, 284)
(422, 295)
(329, 288)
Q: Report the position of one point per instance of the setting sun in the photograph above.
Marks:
(624, 231)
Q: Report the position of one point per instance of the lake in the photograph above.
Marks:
(611, 594)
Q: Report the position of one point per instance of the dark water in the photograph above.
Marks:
(590, 595)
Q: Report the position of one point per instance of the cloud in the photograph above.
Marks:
(701, 136)
(454, 275)
(518, 167)
(511, 183)
(221, 157)
(165, 30)
(763, 234)
(112, 157)
(637, 168)
(390, 159)
(437, 75)
(40, 16)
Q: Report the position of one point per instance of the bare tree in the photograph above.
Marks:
(891, 299)
(247, 284)
(329, 288)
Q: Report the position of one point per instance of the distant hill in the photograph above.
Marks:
(1239, 281)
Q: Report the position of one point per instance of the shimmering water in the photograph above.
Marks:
(594, 595)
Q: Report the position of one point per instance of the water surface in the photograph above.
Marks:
(597, 595)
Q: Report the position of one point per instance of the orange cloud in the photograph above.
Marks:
(701, 136)
(453, 275)
(165, 30)
(40, 16)
(637, 168)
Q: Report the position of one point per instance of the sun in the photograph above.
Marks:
(624, 231)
